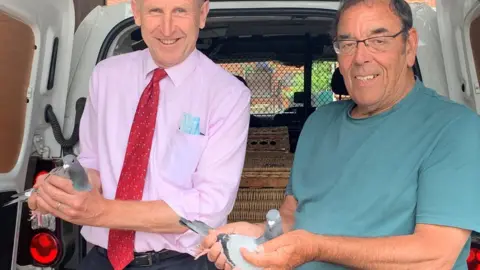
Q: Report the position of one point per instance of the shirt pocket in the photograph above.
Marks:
(182, 157)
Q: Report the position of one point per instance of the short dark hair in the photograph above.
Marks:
(400, 7)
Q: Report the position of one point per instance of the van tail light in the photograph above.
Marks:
(45, 248)
(38, 175)
(472, 255)
(473, 259)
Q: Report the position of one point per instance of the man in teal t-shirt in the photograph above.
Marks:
(387, 180)
(417, 163)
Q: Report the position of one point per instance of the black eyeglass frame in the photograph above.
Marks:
(364, 41)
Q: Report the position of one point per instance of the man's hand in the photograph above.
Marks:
(214, 249)
(32, 200)
(287, 251)
(57, 196)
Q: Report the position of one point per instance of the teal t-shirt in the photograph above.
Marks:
(379, 176)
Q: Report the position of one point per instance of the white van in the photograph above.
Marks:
(45, 68)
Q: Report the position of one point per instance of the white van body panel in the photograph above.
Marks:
(429, 52)
(48, 20)
(89, 38)
(454, 20)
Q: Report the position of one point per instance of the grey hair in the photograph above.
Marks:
(400, 7)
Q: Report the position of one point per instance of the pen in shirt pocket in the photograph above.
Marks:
(191, 125)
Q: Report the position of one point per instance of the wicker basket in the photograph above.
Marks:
(265, 174)
(268, 161)
(266, 169)
(268, 139)
(252, 204)
(264, 180)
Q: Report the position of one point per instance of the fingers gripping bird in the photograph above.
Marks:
(231, 243)
(71, 169)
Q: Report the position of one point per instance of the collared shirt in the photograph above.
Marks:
(199, 144)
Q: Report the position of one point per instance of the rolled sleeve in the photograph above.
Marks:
(449, 178)
(88, 127)
(218, 174)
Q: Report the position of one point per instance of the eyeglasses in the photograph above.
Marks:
(373, 44)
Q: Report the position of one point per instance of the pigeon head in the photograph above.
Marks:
(273, 216)
(273, 226)
(68, 160)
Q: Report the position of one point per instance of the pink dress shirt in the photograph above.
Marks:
(197, 174)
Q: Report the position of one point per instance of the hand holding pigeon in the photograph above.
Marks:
(223, 246)
(70, 169)
(213, 248)
(287, 251)
(69, 196)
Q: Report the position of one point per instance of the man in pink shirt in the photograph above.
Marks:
(192, 165)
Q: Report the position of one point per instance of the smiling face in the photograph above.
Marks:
(170, 28)
(376, 80)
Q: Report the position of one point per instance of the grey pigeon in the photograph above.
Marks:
(231, 243)
(71, 169)
(76, 173)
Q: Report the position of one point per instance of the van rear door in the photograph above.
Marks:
(35, 53)
(457, 36)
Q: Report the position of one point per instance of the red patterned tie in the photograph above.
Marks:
(132, 178)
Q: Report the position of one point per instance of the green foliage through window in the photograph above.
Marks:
(321, 77)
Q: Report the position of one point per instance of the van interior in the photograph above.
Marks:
(285, 56)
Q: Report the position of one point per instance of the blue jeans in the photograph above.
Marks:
(97, 259)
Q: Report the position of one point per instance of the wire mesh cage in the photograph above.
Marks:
(274, 84)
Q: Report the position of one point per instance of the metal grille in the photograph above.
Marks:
(273, 84)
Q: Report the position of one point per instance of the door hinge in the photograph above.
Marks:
(39, 144)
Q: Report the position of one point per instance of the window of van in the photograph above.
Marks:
(274, 84)
(16, 58)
